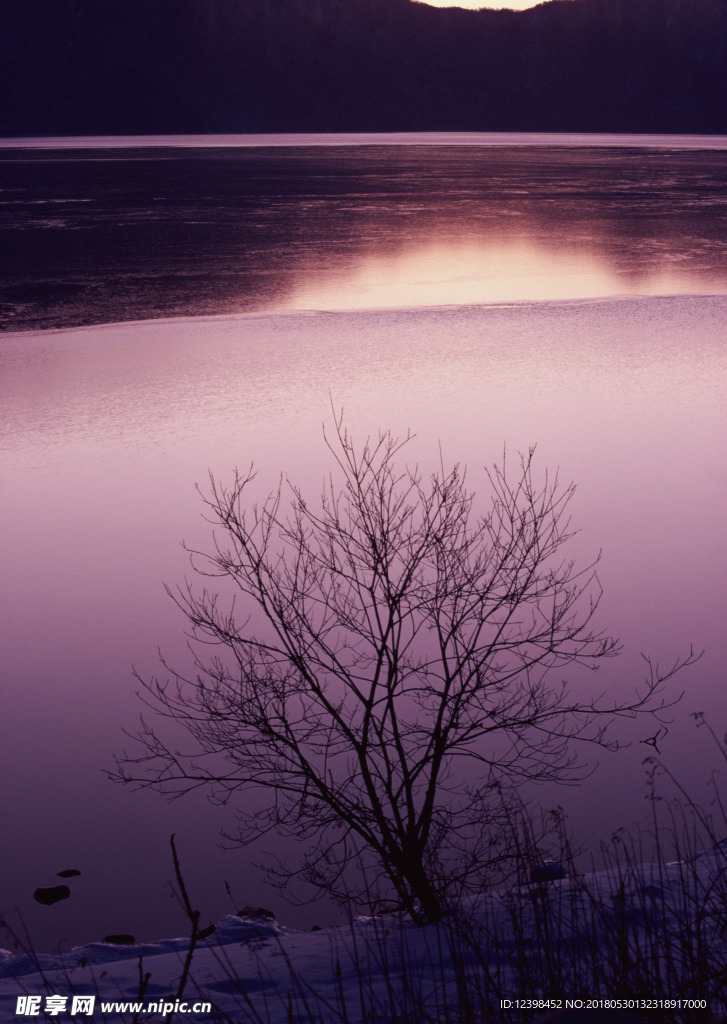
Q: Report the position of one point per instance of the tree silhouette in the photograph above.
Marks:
(394, 668)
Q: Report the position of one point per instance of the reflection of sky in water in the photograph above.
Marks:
(106, 431)
(508, 269)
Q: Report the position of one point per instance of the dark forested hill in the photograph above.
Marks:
(133, 66)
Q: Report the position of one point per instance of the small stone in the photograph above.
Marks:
(47, 895)
(120, 940)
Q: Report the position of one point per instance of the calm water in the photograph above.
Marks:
(105, 431)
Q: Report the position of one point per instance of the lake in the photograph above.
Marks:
(94, 235)
(480, 292)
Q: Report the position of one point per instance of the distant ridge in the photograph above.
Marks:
(177, 66)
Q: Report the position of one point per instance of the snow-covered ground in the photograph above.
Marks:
(651, 938)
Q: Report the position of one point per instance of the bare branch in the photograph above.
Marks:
(385, 666)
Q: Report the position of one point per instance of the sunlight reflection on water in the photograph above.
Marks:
(508, 269)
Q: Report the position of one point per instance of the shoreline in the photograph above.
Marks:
(278, 140)
(302, 313)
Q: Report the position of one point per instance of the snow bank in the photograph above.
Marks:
(584, 935)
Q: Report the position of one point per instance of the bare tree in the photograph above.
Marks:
(397, 662)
